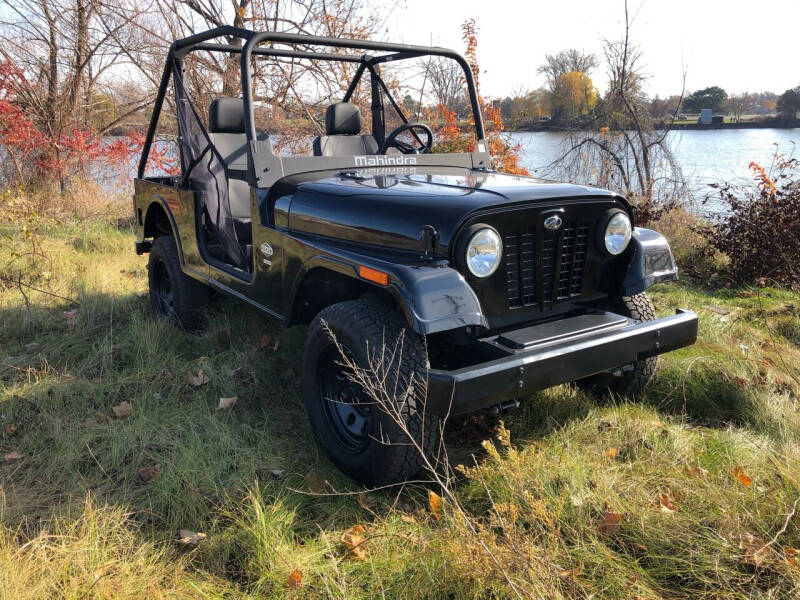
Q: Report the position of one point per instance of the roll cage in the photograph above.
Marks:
(263, 167)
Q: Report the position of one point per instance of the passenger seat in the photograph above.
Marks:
(227, 133)
(343, 133)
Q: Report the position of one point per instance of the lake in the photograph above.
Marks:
(705, 156)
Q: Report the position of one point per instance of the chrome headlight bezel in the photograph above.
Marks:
(489, 238)
(615, 235)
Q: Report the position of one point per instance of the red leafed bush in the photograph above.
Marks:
(760, 230)
(122, 153)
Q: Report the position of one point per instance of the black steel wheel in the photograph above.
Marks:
(347, 407)
(173, 294)
(632, 379)
(375, 440)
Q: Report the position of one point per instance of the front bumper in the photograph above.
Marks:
(551, 353)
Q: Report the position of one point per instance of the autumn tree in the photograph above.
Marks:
(572, 92)
(573, 96)
(65, 56)
(711, 97)
(446, 81)
(624, 151)
(566, 61)
(788, 104)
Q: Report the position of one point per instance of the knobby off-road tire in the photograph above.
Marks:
(365, 441)
(174, 295)
(632, 382)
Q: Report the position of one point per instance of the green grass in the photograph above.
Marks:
(78, 521)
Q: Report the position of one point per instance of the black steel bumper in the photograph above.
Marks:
(552, 353)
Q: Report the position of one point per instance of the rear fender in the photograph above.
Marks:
(433, 297)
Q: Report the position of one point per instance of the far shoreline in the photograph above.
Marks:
(766, 124)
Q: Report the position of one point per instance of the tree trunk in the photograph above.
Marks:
(82, 13)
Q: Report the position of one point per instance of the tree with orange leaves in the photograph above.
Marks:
(451, 137)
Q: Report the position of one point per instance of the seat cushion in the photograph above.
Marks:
(345, 145)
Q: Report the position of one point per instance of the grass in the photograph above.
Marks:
(575, 496)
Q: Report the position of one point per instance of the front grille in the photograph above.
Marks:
(557, 274)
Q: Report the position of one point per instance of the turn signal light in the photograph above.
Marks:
(373, 275)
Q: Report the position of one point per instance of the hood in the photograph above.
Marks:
(369, 206)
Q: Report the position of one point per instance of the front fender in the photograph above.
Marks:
(433, 297)
(437, 298)
(651, 262)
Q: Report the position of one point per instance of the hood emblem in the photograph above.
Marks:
(552, 223)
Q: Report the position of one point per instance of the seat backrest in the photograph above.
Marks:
(227, 133)
(343, 129)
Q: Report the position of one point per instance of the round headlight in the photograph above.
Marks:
(618, 233)
(484, 250)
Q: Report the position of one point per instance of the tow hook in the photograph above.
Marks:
(503, 406)
(620, 371)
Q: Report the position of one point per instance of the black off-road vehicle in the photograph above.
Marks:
(456, 287)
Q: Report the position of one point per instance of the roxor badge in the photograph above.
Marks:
(266, 254)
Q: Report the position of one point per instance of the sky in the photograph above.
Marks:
(740, 46)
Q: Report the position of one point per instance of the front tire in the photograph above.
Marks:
(173, 294)
(632, 381)
(368, 434)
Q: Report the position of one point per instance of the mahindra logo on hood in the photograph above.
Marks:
(384, 161)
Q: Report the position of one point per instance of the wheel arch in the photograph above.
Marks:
(432, 298)
(158, 220)
(320, 286)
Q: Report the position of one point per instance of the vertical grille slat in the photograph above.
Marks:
(558, 271)
(520, 256)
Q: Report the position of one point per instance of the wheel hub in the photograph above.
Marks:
(345, 404)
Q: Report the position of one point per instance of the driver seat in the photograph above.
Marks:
(343, 133)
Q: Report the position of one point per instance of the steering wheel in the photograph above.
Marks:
(406, 148)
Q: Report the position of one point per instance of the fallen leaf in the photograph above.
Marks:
(738, 473)
(570, 573)
(718, 310)
(408, 519)
(366, 501)
(697, 472)
(639, 547)
(226, 403)
(265, 341)
(610, 452)
(295, 579)
(667, 505)
(791, 556)
(435, 504)
(11, 429)
(315, 482)
(756, 551)
(609, 523)
(122, 410)
(197, 380)
(105, 571)
(13, 456)
(353, 538)
(102, 418)
(149, 473)
(188, 537)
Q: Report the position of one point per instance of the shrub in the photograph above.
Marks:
(759, 229)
